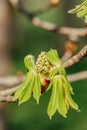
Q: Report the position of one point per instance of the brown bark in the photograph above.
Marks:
(5, 23)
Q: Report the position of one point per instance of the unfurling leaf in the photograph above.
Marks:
(60, 99)
(53, 57)
(52, 106)
(29, 62)
(20, 92)
(26, 93)
(57, 101)
(30, 85)
(37, 88)
(53, 71)
(80, 10)
(62, 109)
(59, 83)
(68, 95)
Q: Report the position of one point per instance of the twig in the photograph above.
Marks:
(6, 95)
(79, 56)
(72, 31)
(9, 91)
(72, 78)
(7, 99)
(54, 28)
(49, 26)
(10, 81)
(66, 56)
(77, 76)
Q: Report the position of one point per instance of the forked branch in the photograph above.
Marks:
(79, 56)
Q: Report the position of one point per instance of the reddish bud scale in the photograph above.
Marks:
(45, 82)
(44, 85)
(43, 89)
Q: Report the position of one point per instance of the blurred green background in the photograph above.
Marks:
(28, 39)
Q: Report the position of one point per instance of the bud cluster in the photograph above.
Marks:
(42, 64)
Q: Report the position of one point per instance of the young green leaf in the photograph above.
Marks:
(37, 88)
(80, 10)
(68, 95)
(78, 7)
(52, 106)
(27, 93)
(70, 88)
(61, 99)
(53, 71)
(29, 62)
(86, 19)
(23, 86)
(53, 57)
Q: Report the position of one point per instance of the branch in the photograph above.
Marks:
(79, 56)
(77, 76)
(49, 26)
(6, 95)
(7, 99)
(66, 56)
(9, 91)
(10, 81)
(54, 28)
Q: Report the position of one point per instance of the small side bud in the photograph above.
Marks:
(54, 2)
(70, 46)
(43, 89)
